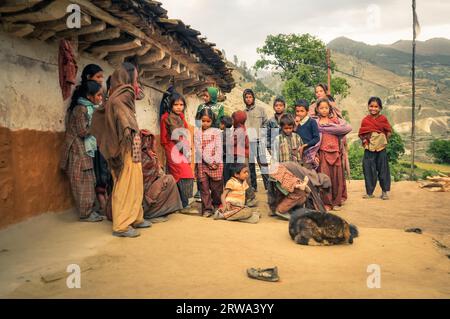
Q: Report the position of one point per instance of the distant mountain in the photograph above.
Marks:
(397, 59)
(436, 46)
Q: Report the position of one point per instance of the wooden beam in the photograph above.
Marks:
(61, 24)
(124, 46)
(8, 6)
(110, 33)
(95, 27)
(153, 56)
(55, 10)
(117, 58)
(18, 29)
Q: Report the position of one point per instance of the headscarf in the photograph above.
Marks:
(213, 93)
(239, 118)
(113, 122)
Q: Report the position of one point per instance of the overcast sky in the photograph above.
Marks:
(240, 26)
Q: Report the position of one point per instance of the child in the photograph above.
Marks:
(273, 124)
(208, 148)
(234, 198)
(176, 143)
(226, 123)
(241, 149)
(375, 132)
(308, 131)
(330, 153)
(210, 96)
(288, 144)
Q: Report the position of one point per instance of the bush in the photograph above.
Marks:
(440, 150)
(355, 157)
(427, 173)
(395, 148)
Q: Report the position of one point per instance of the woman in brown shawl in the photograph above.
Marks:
(117, 133)
(161, 196)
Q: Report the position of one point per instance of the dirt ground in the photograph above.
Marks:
(194, 257)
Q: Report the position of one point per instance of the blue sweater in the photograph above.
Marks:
(309, 132)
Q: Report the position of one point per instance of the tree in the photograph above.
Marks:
(395, 148)
(440, 150)
(235, 60)
(301, 62)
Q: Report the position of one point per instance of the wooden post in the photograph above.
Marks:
(329, 71)
(413, 102)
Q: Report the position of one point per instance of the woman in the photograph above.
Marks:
(175, 139)
(161, 196)
(79, 148)
(321, 92)
(117, 132)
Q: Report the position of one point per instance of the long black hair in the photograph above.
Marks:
(175, 97)
(90, 87)
(206, 112)
(80, 91)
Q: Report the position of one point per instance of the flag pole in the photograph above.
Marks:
(413, 102)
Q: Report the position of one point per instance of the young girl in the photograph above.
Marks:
(176, 143)
(375, 132)
(330, 153)
(79, 149)
(234, 198)
(209, 167)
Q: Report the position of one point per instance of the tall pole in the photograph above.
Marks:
(329, 71)
(413, 102)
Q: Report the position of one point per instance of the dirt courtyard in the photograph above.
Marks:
(195, 257)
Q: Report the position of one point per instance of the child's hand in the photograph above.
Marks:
(317, 160)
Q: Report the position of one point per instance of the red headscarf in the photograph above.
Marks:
(239, 118)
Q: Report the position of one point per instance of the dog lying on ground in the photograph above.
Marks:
(310, 227)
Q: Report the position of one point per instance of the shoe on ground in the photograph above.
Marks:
(130, 233)
(251, 202)
(268, 274)
(157, 220)
(197, 195)
(92, 218)
(384, 196)
(144, 224)
(218, 215)
(207, 214)
(367, 196)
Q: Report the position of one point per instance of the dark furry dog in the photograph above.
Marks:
(310, 227)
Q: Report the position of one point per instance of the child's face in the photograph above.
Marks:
(324, 109)
(206, 97)
(279, 107)
(374, 108)
(243, 174)
(300, 112)
(97, 98)
(288, 129)
(249, 99)
(206, 122)
(222, 126)
(178, 107)
(97, 77)
(320, 93)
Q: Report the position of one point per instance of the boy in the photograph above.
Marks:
(288, 144)
(273, 124)
(374, 133)
(307, 128)
(234, 198)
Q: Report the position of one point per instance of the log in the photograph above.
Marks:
(116, 47)
(8, 6)
(55, 10)
(61, 24)
(153, 56)
(110, 33)
(117, 58)
(18, 29)
(97, 26)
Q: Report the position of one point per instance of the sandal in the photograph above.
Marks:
(367, 196)
(268, 274)
(92, 218)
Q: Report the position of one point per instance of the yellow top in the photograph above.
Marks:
(378, 142)
(237, 194)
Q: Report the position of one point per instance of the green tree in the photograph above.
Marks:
(395, 148)
(440, 150)
(301, 63)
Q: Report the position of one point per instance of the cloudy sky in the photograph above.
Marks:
(240, 26)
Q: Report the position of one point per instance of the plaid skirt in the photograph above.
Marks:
(82, 184)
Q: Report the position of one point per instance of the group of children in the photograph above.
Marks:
(102, 158)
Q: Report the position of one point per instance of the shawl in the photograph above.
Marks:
(90, 143)
(114, 124)
(151, 168)
(377, 124)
